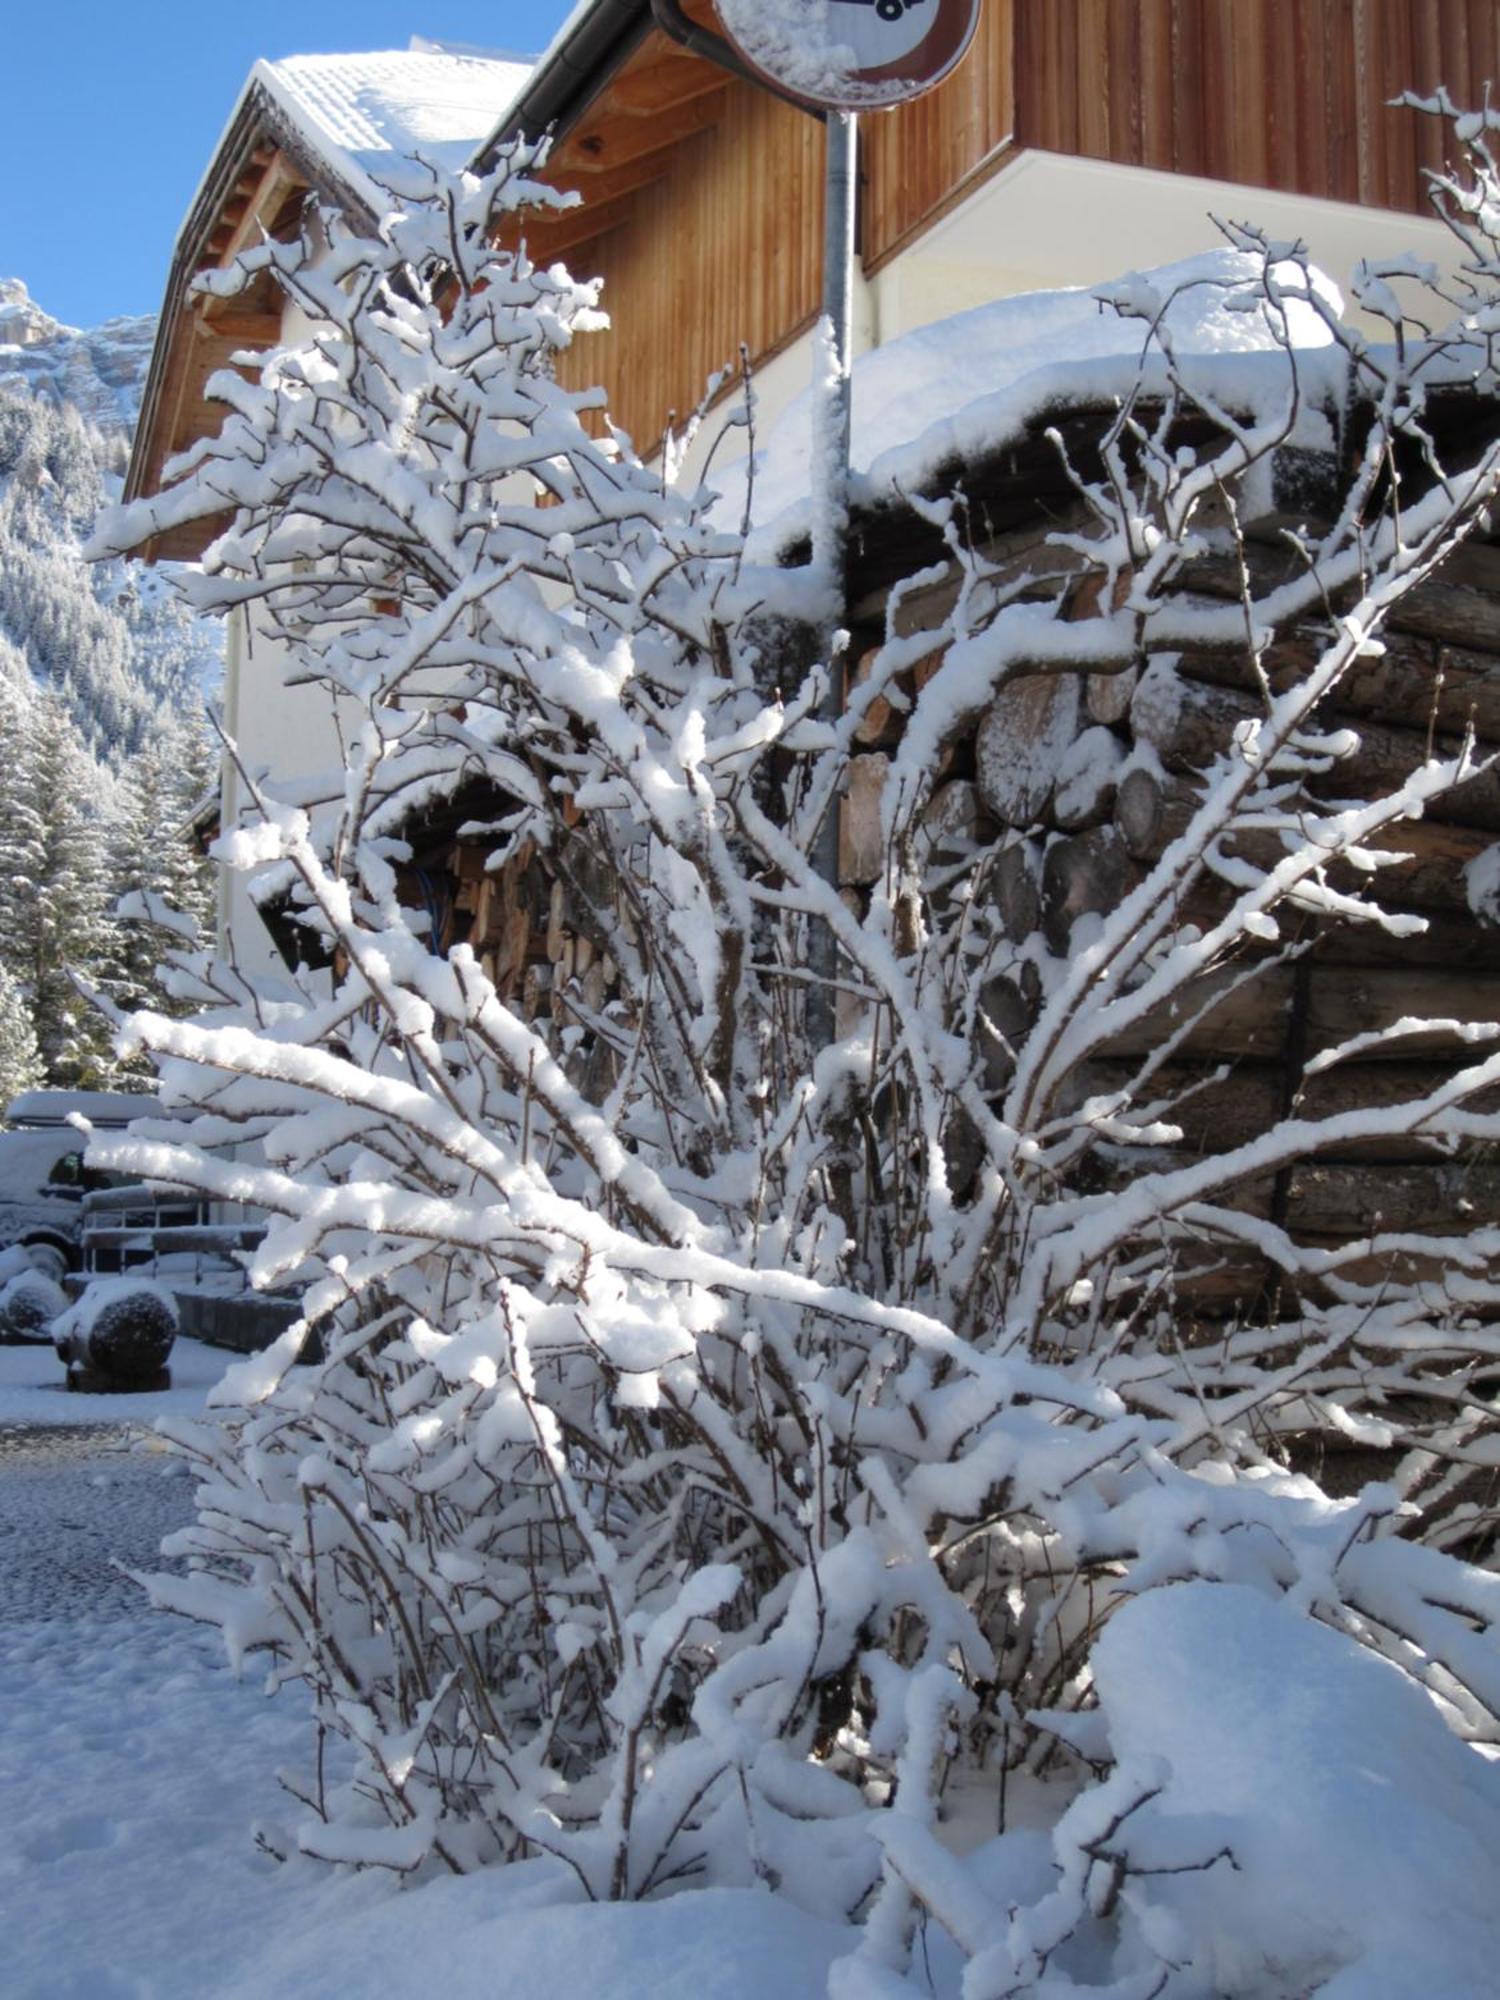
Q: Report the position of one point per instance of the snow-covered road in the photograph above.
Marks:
(76, 1501)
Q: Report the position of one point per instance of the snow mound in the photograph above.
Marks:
(508, 1933)
(1363, 1832)
(965, 384)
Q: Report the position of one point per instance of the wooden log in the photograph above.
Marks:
(1343, 1001)
(1086, 780)
(557, 923)
(1020, 743)
(536, 990)
(1188, 723)
(881, 726)
(1342, 1200)
(1221, 1015)
(1213, 1115)
(486, 906)
(512, 948)
(1458, 613)
(1151, 812)
(1084, 874)
(1115, 1170)
(1217, 1114)
(1216, 1281)
(1447, 689)
(1015, 880)
(1416, 683)
(1106, 697)
(1008, 1005)
(954, 821)
(1021, 555)
(1450, 943)
(861, 844)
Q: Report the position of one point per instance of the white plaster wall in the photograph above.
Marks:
(280, 730)
(1048, 221)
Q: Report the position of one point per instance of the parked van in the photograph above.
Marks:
(42, 1176)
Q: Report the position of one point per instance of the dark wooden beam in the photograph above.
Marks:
(613, 139)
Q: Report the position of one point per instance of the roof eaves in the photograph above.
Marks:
(596, 37)
(258, 115)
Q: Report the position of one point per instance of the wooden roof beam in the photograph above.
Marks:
(611, 185)
(277, 180)
(546, 244)
(613, 139)
(646, 88)
(238, 328)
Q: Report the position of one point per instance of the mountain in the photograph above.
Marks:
(110, 639)
(99, 373)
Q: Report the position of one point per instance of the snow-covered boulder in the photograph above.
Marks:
(118, 1334)
(29, 1304)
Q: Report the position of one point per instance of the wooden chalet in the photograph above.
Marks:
(1078, 138)
(703, 195)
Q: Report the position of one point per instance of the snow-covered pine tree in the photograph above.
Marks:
(701, 1465)
(52, 888)
(160, 886)
(115, 646)
(20, 1058)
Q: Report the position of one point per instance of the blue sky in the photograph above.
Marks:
(109, 112)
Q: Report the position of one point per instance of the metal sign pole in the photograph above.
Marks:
(830, 497)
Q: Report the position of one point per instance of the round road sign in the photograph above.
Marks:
(851, 55)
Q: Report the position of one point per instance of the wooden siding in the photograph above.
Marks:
(917, 158)
(724, 249)
(1288, 94)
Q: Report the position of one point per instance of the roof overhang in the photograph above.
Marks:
(263, 167)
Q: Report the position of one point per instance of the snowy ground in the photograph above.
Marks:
(133, 1768)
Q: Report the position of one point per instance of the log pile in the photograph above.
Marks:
(1053, 783)
(536, 930)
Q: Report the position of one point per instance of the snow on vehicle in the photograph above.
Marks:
(42, 1176)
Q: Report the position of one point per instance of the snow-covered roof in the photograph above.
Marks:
(43, 1108)
(363, 114)
(950, 392)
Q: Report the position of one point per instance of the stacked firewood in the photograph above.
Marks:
(1074, 784)
(534, 931)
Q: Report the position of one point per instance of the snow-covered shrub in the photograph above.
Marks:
(29, 1303)
(121, 1328)
(708, 1477)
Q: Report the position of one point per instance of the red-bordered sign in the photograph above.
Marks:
(851, 55)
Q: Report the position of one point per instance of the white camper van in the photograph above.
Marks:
(42, 1175)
